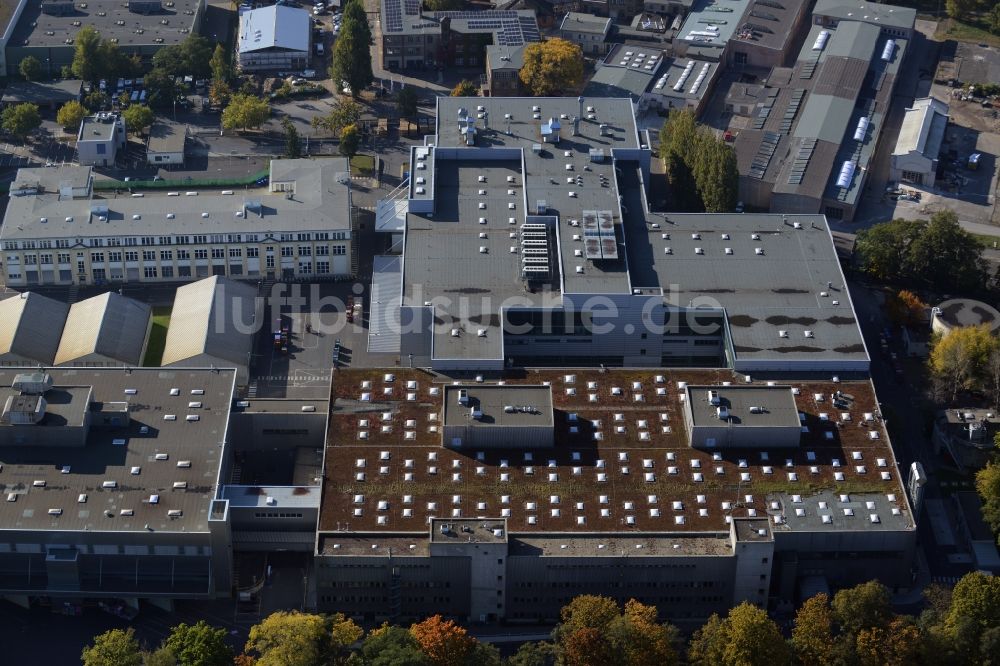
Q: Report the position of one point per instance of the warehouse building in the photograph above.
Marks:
(212, 323)
(631, 502)
(814, 126)
(32, 326)
(544, 201)
(110, 481)
(47, 29)
(915, 157)
(276, 37)
(59, 230)
(109, 329)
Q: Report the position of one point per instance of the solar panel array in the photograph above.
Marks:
(801, 161)
(761, 117)
(793, 108)
(809, 68)
(765, 151)
(393, 16)
(509, 28)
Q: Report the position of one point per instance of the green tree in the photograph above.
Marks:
(219, 92)
(245, 111)
(960, 359)
(533, 654)
(465, 88)
(86, 62)
(945, 256)
(343, 113)
(700, 167)
(883, 248)
(70, 115)
(221, 68)
(199, 645)
(391, 646)
(20, 119)
(112, 62)
(747, 637)
(293, 143)
(288, 639)
(356, 20)
(116, 647)
(993, 19)
(95, 100)
(812, 635)
(988, 486)
(715, 173)
(192, 57)
(552, 67)
(974, 615)
(138, 118)
(351, 61)
(350, 141)
(862, 607)
(342, 633)
(960, 9)
(31, 68)
(161, 87)
(406, 102)
(162, 656)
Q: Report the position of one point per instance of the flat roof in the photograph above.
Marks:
(41, 92)
(585, 474)
(321, 201)
(277, 498)
(509, 27)
(869, 12)
(586, 23)
(775, 406)
(705, 26)
(166, 137)
(794, 285)
(94, 128)
(626, 70)
(112, 19)
(448, 531)
(532, 405)
(126, 455)
(684, 73)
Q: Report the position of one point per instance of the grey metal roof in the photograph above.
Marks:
(95, 128)
(213, 317)
(672, 74)
(923, 128)
(112, 19)
(42, 92)
(824, 118)
(623, 74)
(30, 327)
(273, 497)
(321, 201)
(508, 27)
(585, 23)
(109, 325)
(275, 27)
(111, 453)
(505, 57)
(859, 10)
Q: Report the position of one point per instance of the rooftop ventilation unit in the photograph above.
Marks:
(32, 383)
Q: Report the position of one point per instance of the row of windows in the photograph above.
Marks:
(168, 255)
(168, 272)
(260, 514)
(197, 239)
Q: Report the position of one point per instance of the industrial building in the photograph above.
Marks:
(32, 326)
(915, 156)
(110, 481)
(109, 329)
(544, 201)
(47, 29)
(166, 143)
(276, 37)
(212, 324)
(814, 126)
(59, 229)
(624, 498)
(413, 38)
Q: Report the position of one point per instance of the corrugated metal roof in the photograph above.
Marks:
(30, 326)
(917, 127)
(110, 325)
(277, 26)
(214, 317)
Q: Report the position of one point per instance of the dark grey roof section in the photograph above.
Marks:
(513, 405)
(211, 318)
(42, 92)
(746, 406)
(30, 328)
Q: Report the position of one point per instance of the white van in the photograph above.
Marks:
(319, 49)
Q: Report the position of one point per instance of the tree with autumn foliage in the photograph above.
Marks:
(595, 630)
(747, 637)
(812, 635)
(551, 67)
(906, 309)
(896, 644)
(446, 643)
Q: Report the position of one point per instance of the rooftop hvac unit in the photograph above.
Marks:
(821, 40)
(846, 174)
(890, 46)
(862, 129)
(32, 383)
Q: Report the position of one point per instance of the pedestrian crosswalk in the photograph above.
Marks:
(947, 580)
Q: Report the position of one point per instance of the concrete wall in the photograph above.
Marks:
(269, 430)
(498, 437)
(916, 163)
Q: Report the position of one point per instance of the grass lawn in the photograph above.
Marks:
(987, 241)
(973, 31)
(363, 165)
(157, 337)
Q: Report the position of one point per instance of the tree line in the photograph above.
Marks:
(700, 167)
(854, 627)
